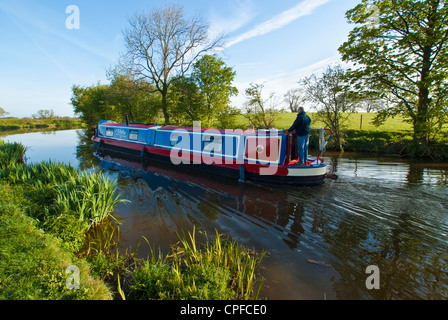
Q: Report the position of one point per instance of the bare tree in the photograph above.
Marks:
(294, 98)
(372, 104)
(331, 95)
(163, 44)
(44, 114)
(260, 112)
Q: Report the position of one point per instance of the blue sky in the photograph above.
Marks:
(271, 42)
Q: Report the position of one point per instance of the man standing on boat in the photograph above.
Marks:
(301, 127)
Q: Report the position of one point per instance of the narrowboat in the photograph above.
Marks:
(267, 156)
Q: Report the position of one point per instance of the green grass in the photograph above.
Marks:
(53, 216)
(393, 138)
(33, 263)
(285, 120)
(219, 270)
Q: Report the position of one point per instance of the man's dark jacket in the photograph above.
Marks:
(301, 125)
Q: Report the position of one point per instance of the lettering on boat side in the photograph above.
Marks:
(373, 281)
(211, 146)
(72, 281)
(121, 134)
(73, 20)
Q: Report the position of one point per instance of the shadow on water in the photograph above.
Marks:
(320, 240)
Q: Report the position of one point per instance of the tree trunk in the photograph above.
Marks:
(166, 115)
(421, 121)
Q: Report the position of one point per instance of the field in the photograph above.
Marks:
(393, 138)
(397, 124)
(12, 124)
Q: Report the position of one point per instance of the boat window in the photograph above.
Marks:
(133, 135)
(174, 138)
(109, 132)
(213, 143)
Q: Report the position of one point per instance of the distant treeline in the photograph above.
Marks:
(11, 123)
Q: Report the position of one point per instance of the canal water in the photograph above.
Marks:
(388, 213)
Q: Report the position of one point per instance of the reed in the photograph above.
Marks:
(217, 270)
(90, 196)
(11, 154)
(39, 174)
(32, 262)
(225, 255)
(65, 201)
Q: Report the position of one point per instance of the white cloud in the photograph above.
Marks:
(242, 12)
(303, 8)
(281, 82)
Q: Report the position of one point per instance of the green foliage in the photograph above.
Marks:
(135, 97)
(333, 99)
(218, 270)
(91, 104)
(66, 202)
(11, 154)
(60, 210)
(123, 95)
(186, 101)
(38, 174)
(204, 95)
(90, 196)
(214, 80)
(402, 56)
(57, 123)
(32, 263)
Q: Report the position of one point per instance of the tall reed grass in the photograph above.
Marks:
(11, 154)
(218, 270)
(91, 196)
(66, 202)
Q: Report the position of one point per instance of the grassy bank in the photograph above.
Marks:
(393, 138)
(53, 216)
(13, 124)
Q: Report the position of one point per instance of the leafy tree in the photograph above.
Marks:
(401, 52)
(133, 97)
(110, 102)
(91, 103)
(214, 80)
(261, 112)
(163, 44)
(331, 95)
(204, 95)
(187, 102)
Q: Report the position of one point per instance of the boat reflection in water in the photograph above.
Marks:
(167, 200)
(385, 213)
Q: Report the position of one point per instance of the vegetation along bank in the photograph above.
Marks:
(58, 231)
